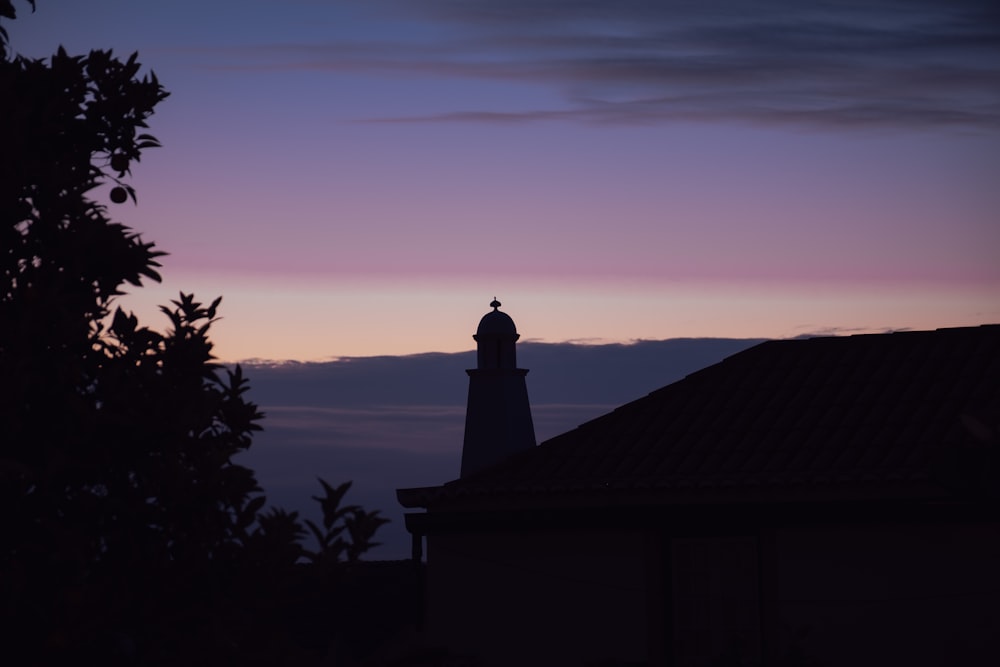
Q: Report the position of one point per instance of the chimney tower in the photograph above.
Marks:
(498, 416)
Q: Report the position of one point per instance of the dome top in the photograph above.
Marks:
(496, 323)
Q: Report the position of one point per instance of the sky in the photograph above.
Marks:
(359, 179)
(362, 178)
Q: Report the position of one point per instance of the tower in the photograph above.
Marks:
(497, 417)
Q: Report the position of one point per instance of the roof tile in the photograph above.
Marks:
(839, 409)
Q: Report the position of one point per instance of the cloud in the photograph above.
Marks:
(811, 331)
(878, 64)
(395, 422)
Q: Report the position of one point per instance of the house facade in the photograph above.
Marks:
(826, 501)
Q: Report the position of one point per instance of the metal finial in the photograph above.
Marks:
(495, 304)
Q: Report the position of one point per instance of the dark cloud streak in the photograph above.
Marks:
(834, 64)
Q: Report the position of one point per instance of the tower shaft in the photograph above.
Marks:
(498, 415)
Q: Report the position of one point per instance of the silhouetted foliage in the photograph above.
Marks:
(128, 533)
(360, 526)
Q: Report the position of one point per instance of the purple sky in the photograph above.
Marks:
(361, 178)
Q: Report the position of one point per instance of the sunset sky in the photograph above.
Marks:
(362, 178)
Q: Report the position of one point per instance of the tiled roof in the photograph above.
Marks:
(868, 411)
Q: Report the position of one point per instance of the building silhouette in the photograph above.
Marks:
(827, 501)
(498, 416)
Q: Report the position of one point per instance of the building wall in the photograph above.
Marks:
(539, 598)
(888, 594)
(878, 594)
(715, 609)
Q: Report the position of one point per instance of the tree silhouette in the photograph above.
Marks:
(127, 532)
